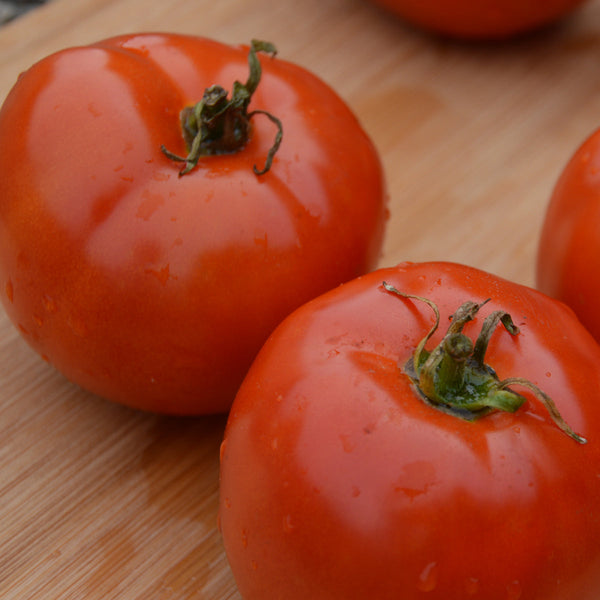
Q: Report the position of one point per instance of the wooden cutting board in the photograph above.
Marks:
(99, 502)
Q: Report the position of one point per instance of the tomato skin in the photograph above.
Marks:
(485, 19)
(568, 258)
(156, 290)
(337, 482)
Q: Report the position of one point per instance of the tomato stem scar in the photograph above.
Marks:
(453, 377)
(221, 125)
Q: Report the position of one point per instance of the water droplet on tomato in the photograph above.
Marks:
(49, 304)
(10, 292)
(288, 525)
(244, 538)
(428, 578)
(77, 326)
(38, 320)
(471, 586)
(513, 590)
(347, 443)
(94, 110)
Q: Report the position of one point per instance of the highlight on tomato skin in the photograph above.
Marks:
(568, 257)
(339, 482)
(147, 261)
(483, 19)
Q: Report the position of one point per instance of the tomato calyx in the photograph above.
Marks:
(221, 125)
(454, 378)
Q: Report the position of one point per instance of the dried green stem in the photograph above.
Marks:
(454, 376)
(218, 124)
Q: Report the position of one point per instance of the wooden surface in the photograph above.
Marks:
(100, 502)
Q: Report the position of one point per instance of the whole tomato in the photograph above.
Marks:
(150, 271)
(483, 19)
(568, 260)
(371, 454)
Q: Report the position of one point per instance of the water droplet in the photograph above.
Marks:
(347, 444)
(38, 320)
(548, 374)
(49, 304)
(513, 590)
(428, 578)
(471, 586)
(149, 205)
(94, 110)
(163, 275)
(244, 538)
(288, 525)
(222, 450)
(161, 176)
(10, 292)
(274, 444)
(77, 325)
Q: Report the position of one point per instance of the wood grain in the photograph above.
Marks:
(101, 502)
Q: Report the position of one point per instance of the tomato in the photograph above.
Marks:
(339, 481)
(568, 258)
(155, 288)
(484, 19)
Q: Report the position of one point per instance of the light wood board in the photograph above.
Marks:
(99, 502)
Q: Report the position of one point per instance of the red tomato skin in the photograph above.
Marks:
(568, 260)
(156, 290)
(484, 19)
(338, 483)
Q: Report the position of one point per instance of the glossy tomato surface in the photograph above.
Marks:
(154, 289)
(483, 19)
(568, 259)
(339, 483)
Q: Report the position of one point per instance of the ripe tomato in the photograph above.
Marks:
(569, 250)
(484, 19)
(340, 482)
(154, 289)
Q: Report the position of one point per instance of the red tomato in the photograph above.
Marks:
(481, 19)
(568, 260)
(339, 482)
(153, 289)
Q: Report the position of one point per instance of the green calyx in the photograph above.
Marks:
(221, 125)
(453, 377)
